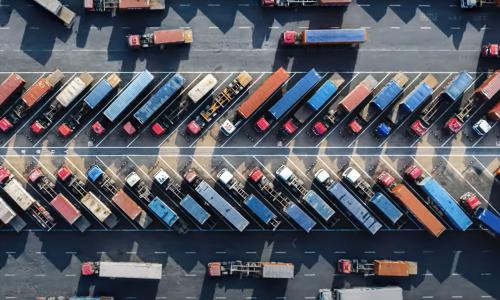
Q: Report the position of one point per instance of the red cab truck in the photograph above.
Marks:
(112, 5)
(490, 51)
(160, 38)
(9, 86)
(295, 3)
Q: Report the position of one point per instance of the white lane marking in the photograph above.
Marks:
(303, 27)
(280, 252)
(425, 28)
(101, 252)
(309, 252)
(70, 252)
(457, 297)
(244, 27)
(213, 4)
(10, 252)
(250, 252)
(9, 275)
(455, 28)
(485, 274)
(70, 275)
(455, 274)
(191, 275)
(339, 252)
(427, 297)
(213, 27)
(394, 5)
(40, 275)
(4, 28)
(273, 27)
(486, 296)
(184, 5)
(395, 27)
(370, 252)
(131, 252)
(220, 252)
(399, 252)
(424, 5)
(310, 275)
(364, 5)
(428, 274)
(160, 252)
(190, 252)
(41, 252)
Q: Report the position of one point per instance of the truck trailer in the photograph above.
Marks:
(15, 190)
(321, 37)
(346, 106)
(488, 220)
(123, 101)
(164, 94)
(170, 118)
(377, 267)
(485, 92)
(55, 7)
(468, 4)
(271, 270)
(96, 96)
(210, 196)
(29, 99)
(362, 293)
(10, 86)
(485, 124)
(77, 187)
(130, 270)
(411, 203)
(314, 104)
(160, 38)
(289, 99)
(255, 101)
(58, 201)
(124, 5)
(8, 216)
(63, 100)
(292, 210)
(295, 3)
(219, 102)
(450, 95)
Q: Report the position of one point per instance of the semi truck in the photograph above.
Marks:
(170, 118)
(29, 99)
(15, 190)
(411, 203)
(450, 95)
(439, 197)
(123, 101)
(130, 270)
(55, 7)
(364, 189)
(289, 99)
(271, 270)
(362, 293)
(251, 201)
(173, 189)
(63, 100)
(350, 203)
(214, 199)
(310, 197)
(113, 5)
(487, 219)
(96, 96)
(490, 51)
(160, 38)
(321, 37)
(159, 99)
(10, 86)
(346, 106)
(8, 216)
(96, 175)
(468, 4)
(485, 92)
(295, 3)
(255, 101)
(88, 199)
(292, 210)
(485, 124)
(377, 267)
(382, 100)
(314, 104)
(406, 106)
(155, 204)
(58, 201)
(218, 103)
(75, 298)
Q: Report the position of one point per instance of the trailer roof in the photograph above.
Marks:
(130, 270)
(130, 4)
(259, 209)
(67, 210)
(163, 211)
(194, 209)
(490, 86)
(9, 86)
(300, 217)
(168, 36)
(127, 205)
(319, 205)
(6, 212)
(277, 270)
(386, 207)
(489, 219)
(386, 95)
(325, 92)
(18, 193)
(458, 86)
(356, 35)
(363, 293)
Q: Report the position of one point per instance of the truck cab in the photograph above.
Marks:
(290, 37)
(453, 125)
(413, 172)
(344, 266)
(134, 41)
(470, 201)
(161, 177)
(468, 3)
(482, 127)
(89, 268)
(386, 179)
(319, 128)
(490, 51)
(418, 128)
(262, 125)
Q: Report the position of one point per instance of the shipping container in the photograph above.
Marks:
(172, 36)
(163, 211)
(69, 212)
(97, 207)
(126, 204)
(325, 37)
(294, 3)
(389, 92)
(319, 205)
(128, 95)
(132, 270)
(194, 209)
(354, 207)
(458, 85)
(74, 88)
(445, 202)
(490, 87)
(365, 293)
(386, 207)
(202, 88)
(101, 91)
(9, 217)
(489, 220)
(259, 209)
(40, 88)
(358, 94)
(9, 86)
(299, 216)
(418, 96)
(18, 193)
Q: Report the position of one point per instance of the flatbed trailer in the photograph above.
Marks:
(271, 270)
(124, 5)
(130, 270)
(160, 38)
(325, 37)
(55, 7)
(295, 3)
(15, 190)
(58, 201)
(219, 102)
(257, 177)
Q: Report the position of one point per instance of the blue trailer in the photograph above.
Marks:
(325, 36)
(259, 209)
(319, 205)
(163, 211)
(299, 216)
(354, 207)
(390, 92)
(289, 99)
(458, 86)
(489, 220)
(128, 95)
(194, 209)
(445, 202)
(221, 205)
(386, 207)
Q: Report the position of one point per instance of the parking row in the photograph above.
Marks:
(241, 109)
(250, 193)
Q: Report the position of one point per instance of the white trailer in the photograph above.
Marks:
(9, 216)
(362, 293)
(131, 270)
(59, 10)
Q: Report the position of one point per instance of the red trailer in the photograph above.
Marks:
(160, 38)
(9, 86)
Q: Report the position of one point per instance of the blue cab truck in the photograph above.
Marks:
(350, 203)
(379, 103)
(289, 100)
(487, 219)
(409, 104)
(440, 198)
(135, 88)
(314, 104)
(432, 110)
(155, 102)
(97, 95)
